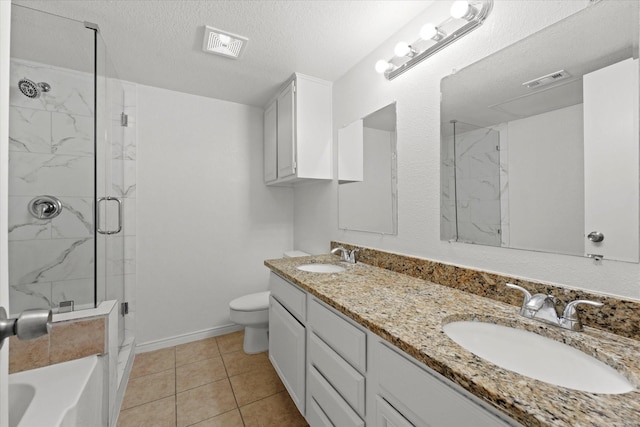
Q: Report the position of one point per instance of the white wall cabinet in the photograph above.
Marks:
(297, 132)
(355, 378)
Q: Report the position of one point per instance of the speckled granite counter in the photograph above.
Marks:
(409, 313)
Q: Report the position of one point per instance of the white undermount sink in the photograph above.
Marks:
(321, 268)
(537, 357)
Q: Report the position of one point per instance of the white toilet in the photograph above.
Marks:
(252, 311)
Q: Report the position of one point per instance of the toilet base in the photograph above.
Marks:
(256, 339)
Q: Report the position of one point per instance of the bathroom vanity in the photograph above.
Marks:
(366, 347)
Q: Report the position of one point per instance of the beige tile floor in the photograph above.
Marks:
(208, 383)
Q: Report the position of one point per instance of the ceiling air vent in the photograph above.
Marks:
(546, 80)
(223, 43)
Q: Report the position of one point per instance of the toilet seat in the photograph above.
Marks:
(251, 302)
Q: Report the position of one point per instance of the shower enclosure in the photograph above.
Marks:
(66, 167)
(472, 198)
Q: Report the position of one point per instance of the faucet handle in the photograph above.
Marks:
(570, 312)
(527, 294)
(570, 319)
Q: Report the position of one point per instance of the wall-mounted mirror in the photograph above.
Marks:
(539, 141)
(370, 203)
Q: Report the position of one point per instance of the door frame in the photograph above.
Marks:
(5, 35)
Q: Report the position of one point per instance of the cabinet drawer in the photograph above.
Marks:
(387, 416)
(423, 398)
(347, 340)
(292, 298)
(346, 380)
(333, 406)
(316, 416)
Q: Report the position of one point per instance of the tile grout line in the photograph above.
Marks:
(175, 387)
(230, 385)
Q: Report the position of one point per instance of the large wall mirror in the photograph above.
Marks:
(370, 204)
(539, 141)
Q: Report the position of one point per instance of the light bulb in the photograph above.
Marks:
(382, 66)
(430, 32)
(402, 49)
(461, 9)
(224, 39)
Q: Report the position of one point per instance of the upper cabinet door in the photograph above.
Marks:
(270, 143)
(286, 132)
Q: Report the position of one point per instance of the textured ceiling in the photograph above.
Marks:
(490, 91)
(159, 43)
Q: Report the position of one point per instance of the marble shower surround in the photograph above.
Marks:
(51, 152)
(618, 316)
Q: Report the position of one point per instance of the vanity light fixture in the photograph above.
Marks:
(465, 17)
(431, 32)
(461, 9)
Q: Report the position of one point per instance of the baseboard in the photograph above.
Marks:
(187, 338)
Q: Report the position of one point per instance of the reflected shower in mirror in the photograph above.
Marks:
(369, 203)
(539, 141)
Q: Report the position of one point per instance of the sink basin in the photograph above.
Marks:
(20, 397)
(537, 357)
(321, 268)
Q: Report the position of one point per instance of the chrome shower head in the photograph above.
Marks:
(31, 89)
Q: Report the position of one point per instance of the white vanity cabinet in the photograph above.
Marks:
(408, 393)
(347, 376)
(287, 337)
(336, 366)
(297, 132)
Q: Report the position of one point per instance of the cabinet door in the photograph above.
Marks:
(286, 132)
(611, 158)
(270, 143)
(287, 345)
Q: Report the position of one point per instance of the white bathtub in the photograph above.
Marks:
(68, 394)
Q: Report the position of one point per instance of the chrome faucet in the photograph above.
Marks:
(347, 256)
(542, 307)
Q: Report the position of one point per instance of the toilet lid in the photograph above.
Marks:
(251, 302)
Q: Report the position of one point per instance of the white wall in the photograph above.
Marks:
(543, 150)
(206, 222)
(362, 91)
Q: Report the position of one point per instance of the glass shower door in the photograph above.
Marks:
(51, 157)
(110, 121)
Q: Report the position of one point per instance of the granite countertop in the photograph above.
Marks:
(410, 313)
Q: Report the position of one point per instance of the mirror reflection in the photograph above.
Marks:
(539, 142)
(370, 204)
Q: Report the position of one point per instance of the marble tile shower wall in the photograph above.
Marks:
(51, 152)
(475, 188)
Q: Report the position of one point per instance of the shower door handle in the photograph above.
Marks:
(108, 199)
